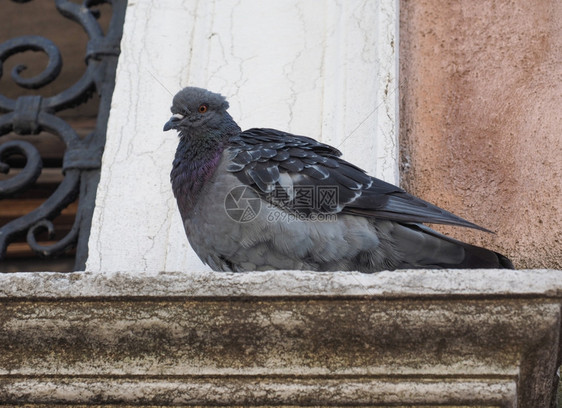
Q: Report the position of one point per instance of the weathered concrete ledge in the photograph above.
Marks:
(397, 284)
(407, 338)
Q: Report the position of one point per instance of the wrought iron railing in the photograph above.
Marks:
(31, 114)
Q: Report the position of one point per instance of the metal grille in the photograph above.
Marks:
(31, 116)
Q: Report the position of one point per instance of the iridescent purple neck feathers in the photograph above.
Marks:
(192, 168)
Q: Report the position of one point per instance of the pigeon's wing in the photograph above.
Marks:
(303, 175)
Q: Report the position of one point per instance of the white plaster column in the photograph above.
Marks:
(325, 69)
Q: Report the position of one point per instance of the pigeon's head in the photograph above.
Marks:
(194, 108)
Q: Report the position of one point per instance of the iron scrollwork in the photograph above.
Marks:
(27, 115)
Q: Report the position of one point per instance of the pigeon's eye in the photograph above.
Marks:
(203, 108)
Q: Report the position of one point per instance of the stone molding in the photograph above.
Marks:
(455, 338)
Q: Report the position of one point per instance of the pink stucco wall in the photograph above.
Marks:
(481, 119)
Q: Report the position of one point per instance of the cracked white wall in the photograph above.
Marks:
(325, 69)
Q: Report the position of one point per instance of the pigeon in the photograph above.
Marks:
(264, 199)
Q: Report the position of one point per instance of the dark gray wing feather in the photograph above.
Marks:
(261, 156)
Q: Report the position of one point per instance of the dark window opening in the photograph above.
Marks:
(53, 118)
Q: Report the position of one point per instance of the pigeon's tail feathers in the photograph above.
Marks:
(422, 247)
(477, 257)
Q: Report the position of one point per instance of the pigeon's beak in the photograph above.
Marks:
(171, 124)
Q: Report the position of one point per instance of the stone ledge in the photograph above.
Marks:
(266, 391)
(398, 284)
(456, 338)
